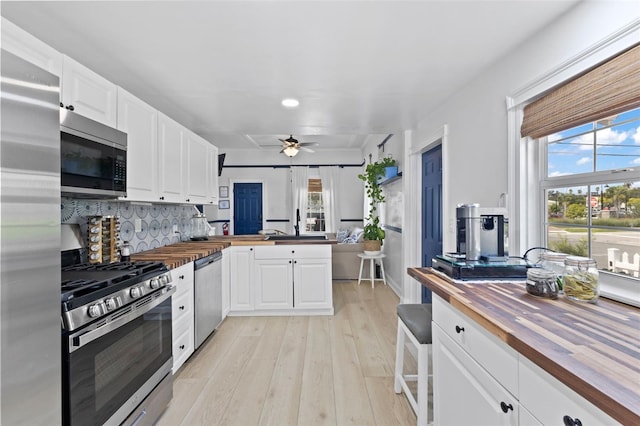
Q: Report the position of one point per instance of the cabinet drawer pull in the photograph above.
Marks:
(506, 407)
(181, 308)
(181, 347)
(181, 277)
(459, 329)
(568, 421)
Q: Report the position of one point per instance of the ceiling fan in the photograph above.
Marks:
(291, 146)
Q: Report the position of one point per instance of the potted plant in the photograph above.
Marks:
(373, 234)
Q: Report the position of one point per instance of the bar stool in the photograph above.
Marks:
(372, 259)
(414, 321)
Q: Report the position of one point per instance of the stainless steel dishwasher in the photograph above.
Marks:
(208, 296)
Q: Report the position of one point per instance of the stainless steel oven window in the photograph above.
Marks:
(103, 374)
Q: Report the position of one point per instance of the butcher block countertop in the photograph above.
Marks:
(178, 254)
(259, 240)
(591, 348)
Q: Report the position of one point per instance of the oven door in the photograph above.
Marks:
(110, 367)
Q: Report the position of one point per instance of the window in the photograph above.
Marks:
(591, 191)
(315, 207)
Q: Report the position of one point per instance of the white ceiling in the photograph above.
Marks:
(221, 68)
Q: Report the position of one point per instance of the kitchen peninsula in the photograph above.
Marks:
(542, 361)
(262, 277)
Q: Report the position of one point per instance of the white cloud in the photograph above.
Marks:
(636, 161)
(636, 135)
(611, 137)
(583, 160)
(555, 174)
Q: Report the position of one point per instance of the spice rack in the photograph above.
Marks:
(103, 239)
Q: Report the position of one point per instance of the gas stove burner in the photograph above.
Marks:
(90, 291)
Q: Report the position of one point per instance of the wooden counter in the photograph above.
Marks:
(259, 240)
(178, 254)
(591, 348)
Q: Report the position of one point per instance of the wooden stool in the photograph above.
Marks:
(372, 259)
(414, 321)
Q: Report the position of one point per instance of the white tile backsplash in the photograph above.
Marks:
(156, 220)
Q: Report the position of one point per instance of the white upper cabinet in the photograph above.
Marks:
(87, 93)
(171, 160)
(29, 48)
(140, 122)
(197, 173)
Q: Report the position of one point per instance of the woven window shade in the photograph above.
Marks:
(315, 185)
(610, 88)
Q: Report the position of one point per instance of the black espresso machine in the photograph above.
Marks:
(482, 247)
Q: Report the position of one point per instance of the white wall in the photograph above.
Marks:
(277, 183)
(476, 163)
(391, 212)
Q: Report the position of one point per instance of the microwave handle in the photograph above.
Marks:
(76, 342)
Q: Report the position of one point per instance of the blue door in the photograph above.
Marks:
(431, 209)
(247, 208)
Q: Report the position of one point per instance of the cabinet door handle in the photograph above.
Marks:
(181, 277)
(251, 249)
(181, 308)
(162, 198)
(181, 346)
(506, 407)
(289, 261)
(459, 329)
(568, 421)
(61, 105)
(188, 199)
(70, 107)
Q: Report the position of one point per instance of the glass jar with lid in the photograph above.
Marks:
(580, 279)
(542, 282)
(554, 261)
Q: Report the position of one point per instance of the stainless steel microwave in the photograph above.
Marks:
(93, 158)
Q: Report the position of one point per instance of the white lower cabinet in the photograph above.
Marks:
(552, 402)
(241, 278)
(281, 279)
(312, 283)
(480, 380)
(182, 315)
(464, 392)
(274, 283)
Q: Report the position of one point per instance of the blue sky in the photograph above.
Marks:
(618, 146)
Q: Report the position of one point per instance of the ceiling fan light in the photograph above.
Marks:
(290, 103)
(290, 151)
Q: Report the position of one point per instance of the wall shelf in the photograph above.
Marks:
(391, 179)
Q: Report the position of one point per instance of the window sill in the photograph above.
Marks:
(620, 289)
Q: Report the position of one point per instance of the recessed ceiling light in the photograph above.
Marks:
(290, 102)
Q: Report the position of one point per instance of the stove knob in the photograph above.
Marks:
(165, 279)
(94, 311)
(154, 283)
(135, 292)
(110, 304)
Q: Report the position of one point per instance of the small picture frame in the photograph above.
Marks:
(224, 192)
(223, 204)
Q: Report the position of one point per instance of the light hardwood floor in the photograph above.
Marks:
(323, 370)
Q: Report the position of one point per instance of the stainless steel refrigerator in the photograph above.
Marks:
(30, 369)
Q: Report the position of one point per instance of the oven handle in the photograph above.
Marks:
(78, 341)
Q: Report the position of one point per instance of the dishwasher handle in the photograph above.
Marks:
(206, 261)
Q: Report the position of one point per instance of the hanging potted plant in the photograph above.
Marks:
(373, 234)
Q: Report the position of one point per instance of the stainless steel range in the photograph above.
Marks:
(116, 343)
